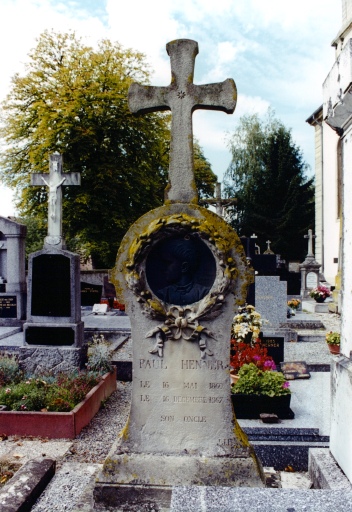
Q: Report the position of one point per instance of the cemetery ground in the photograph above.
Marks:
(283, 446)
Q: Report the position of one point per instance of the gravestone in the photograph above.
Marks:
(54, 323)
(12, 273)
(309, 269)
(180, 269)
(90, 293)
(271, 299)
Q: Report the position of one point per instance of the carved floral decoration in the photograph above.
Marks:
(180, 322)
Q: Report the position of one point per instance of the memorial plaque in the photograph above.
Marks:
(51, 291)
(311, 280)
(57, 336)
(90, 294)
(275, 347)
(8, 306)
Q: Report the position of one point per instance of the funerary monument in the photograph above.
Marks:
(181, 272)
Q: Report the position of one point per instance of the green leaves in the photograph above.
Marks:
(73, 99)
(275, 200)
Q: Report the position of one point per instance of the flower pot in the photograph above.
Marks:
(233, 377)
(334, 349)
(320, 299)
(251, 406)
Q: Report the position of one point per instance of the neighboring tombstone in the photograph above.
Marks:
(54, 292)
(271, 303)
(180, 269)
(309, 269)
(90, 293)
(12, 272)
(271, 299)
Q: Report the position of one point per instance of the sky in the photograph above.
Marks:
(277, 51)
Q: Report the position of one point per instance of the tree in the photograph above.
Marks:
(275, 199)
(73, 100)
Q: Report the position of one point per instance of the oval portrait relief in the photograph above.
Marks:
(181, 270)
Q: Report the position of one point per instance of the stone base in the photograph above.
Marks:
(135, 479)
(324, 471)
(315, 307)
(53, 334)
(285, 332)
(54, 359)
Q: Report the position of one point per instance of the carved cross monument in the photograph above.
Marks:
(268, 249)
(55, 180)
(179, 270)
(220, 202)
(310, 237)
(182, 97)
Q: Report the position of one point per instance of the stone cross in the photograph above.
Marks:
(220, 202)
(55, 180)
(182, 97)
(268, 250)
(310, 237)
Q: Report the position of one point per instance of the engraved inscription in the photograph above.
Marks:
(194, 419)
(189, 385)
(145, 383)
(198, 399)
(166, 398)
(166, 385)
(202, 364)
(167, 418)
(152, 364)
(216, 385)
(145, 398)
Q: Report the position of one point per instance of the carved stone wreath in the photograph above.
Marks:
(180, 322)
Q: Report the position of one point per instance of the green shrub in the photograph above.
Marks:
(10, 370)
(253, 381)
(99, 354)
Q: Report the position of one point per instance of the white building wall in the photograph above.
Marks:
(331, 222)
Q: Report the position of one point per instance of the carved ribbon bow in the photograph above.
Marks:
(180, 323)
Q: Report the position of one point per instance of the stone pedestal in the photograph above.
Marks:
(181, 429)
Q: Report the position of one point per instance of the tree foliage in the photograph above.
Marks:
(267, 175)
(73, 100)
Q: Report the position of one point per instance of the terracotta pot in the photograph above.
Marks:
(234, 377)
(334, 349)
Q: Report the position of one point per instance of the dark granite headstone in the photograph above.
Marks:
(51, 294)
(275, 346)
(265, 264)
(90, 294)
(8, 306)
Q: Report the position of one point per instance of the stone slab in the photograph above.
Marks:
(324, 471)
(220, 499)
(5, 332)
(159, 470)
(315, 307)
(25, 450)
(26, 485)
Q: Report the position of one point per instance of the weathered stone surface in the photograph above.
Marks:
(182, 97)
(20, 494)
(181, 413)
(324, 471)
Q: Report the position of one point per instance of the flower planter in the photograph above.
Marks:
(334, 349)
(251, 406)
(320, 300)
(56, 425)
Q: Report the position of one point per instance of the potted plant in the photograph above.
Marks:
(333, 339)
(294, 304)
(258, 391)
(245, 342)
(320, 293)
